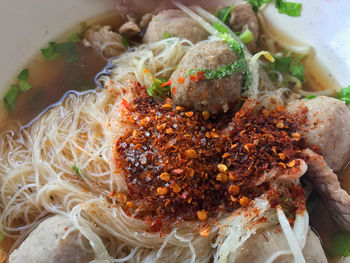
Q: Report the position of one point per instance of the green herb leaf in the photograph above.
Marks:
(125, 42)
(288, 8)
(281, 64)
(344, 94)
(166, 35)
(23, 75)
(10, 98)
(55, 50)
(224, 14)
(76, 37)
(2, 237)
(50, 53)
(296, 68)
(310, 97)
(157, 91)
(76, 170)
(257, 3)
(221, 28)
(24, 85)
(246, 37)
(341, 243)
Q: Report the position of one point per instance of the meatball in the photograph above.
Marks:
(243, 17)
(261, 246)
(214, 96)
(328, 127)
(177, 24)
(53, 241)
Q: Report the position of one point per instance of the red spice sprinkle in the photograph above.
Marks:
(181, 80)
(194, 184)
(126, 104)
(168, 83)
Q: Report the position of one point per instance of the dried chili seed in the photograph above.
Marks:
(162, 190)
(280, 125)
(177, 188)
(189, 113)
(282, 156)
(291, 164)
(282, 165)
(169, 130)
(179, 108)
(244, 201)
(233, 189)
(222, 168)
(166, 106)
(190, 154)
(202, 215)
(205, 231)
(221, 177)
(165, 177)
(205, 115)
(225, 155)
(161, 127)
(122, 197)
(130, 204)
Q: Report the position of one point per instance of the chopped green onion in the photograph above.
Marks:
(288, 8)
(289, 65)
(344, 94)
(24, 85)
(310, 97)
(166, 35)
(10, 98)
(23, 75)
(224, 13)
(257, 3)
(341, 243)
(221, 28)
(2, 237)
(76, 170)
(246, 37)
(125, 42)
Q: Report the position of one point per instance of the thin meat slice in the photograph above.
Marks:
(327, 184)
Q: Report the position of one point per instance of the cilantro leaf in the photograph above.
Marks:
(76, 170)
(125, 42)
(24, 85)
(341, 243)
(281, 64)
(166, 35)
(257, 3)
(23, 75)
(344, 94)
(55, 50)
(288, 8)
(10, 98)
(297, 69)
(224, 14)
(76, 37)
(310, 97)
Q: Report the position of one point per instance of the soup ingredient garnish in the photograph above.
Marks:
(310, 97)
(177, 162)
(288, 8)
(290, 65)
(76, 170)
(2, 237)
(125, 42)
(246, 37)
(344, 94)
(159, 88)
(341, 244)
(22, 85)
(224, 14)
(166, 35)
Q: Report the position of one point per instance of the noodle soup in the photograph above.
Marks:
(200, 143)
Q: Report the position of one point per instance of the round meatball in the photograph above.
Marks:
(54, 241)
(327, 126)
(177, 24)
(243, 17)
(214, 96)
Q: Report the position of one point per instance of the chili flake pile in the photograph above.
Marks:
(187, 165)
